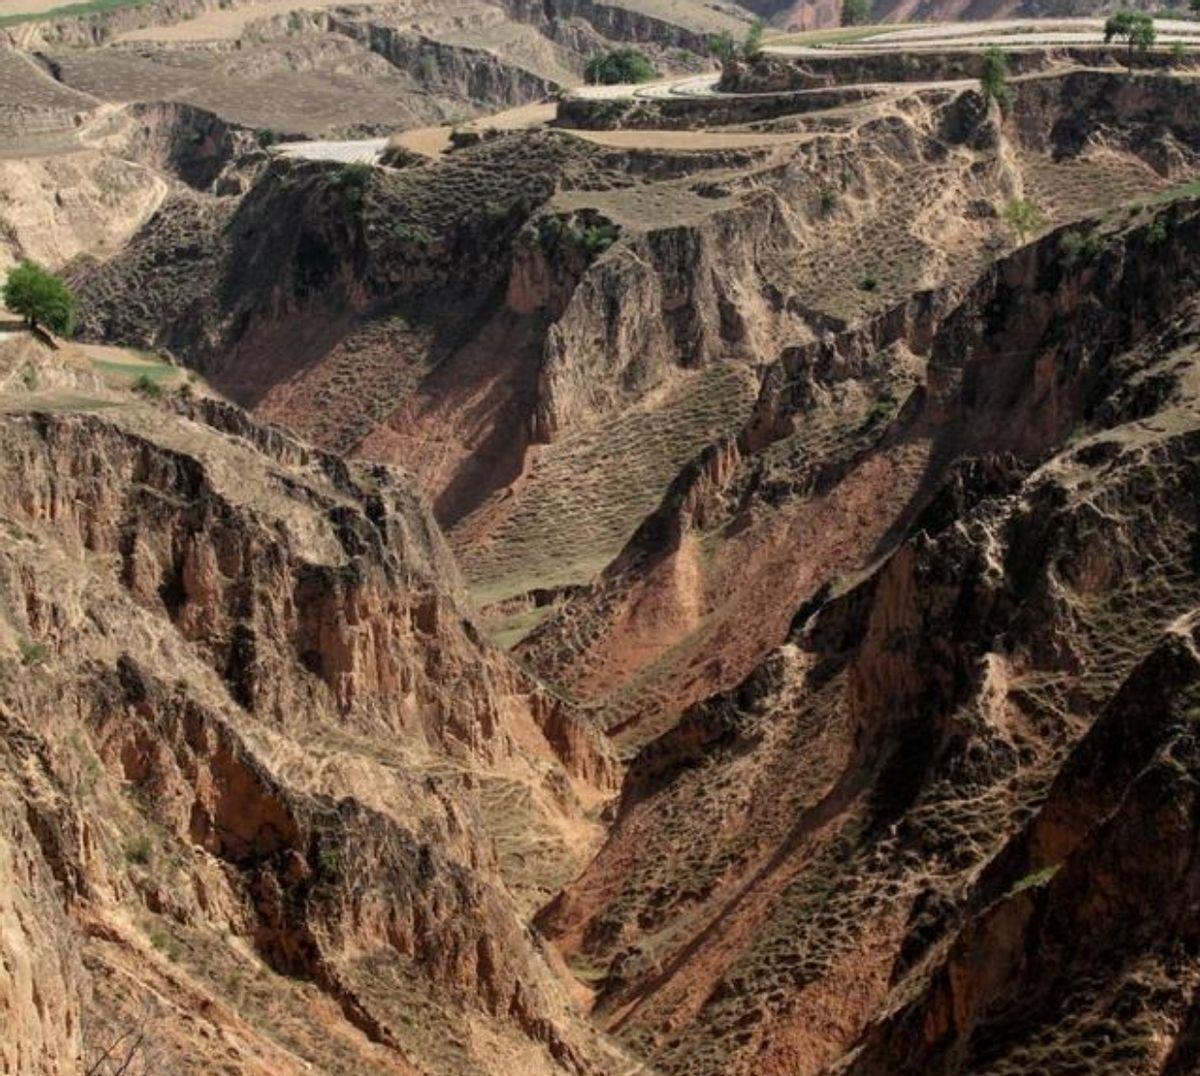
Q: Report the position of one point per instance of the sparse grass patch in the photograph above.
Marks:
(1035, 878)
(588, 492)
(510, 630)
(880, 412)
(1184, 190)
(841, 36)
(165, 944)
(143, 372)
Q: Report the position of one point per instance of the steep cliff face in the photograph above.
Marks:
(840, 469)
(1063, 964)
(682, 25)
(919, 747)
(495, 335)
(260, 770)
(814, 482)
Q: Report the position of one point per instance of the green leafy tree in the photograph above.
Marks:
(40, 298)
(1195, 6)
(753, 41)
(723, 48)
(994, 79)
(1136, 27)
(620, 65)
(856, 12)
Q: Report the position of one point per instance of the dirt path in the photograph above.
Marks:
(351, 151)
(688, 139)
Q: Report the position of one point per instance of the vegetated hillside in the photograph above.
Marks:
(263, 784)
(921, 837)
(328, 70)
(845, 457)
(866, 242)
(549, 328)
(435, 290)
(807, 15)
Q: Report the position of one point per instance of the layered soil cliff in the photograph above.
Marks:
(501, 307)
(807, 486)
(263, 780)
(916, 820)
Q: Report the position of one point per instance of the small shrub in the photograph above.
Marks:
(1156, 234)
(856, 12)
(164, 943)
(881, 411)
(353, 177)
(598, 237)
(139, 850)
(753, 41)
(828, 200)
(1079, 248)
(265, 137)
(594, 237)
(1023, 217)
(993, 82)
(146, 386)
(329, 865)
(722, 47)
(29, 377)
(32, 654)
(870, 281)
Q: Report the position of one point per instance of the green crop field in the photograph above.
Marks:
(67, 11)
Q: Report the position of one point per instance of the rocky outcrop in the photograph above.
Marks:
(190, 144)
(618, 22)
(1054, 946)
(863, 377)
(677, 296)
